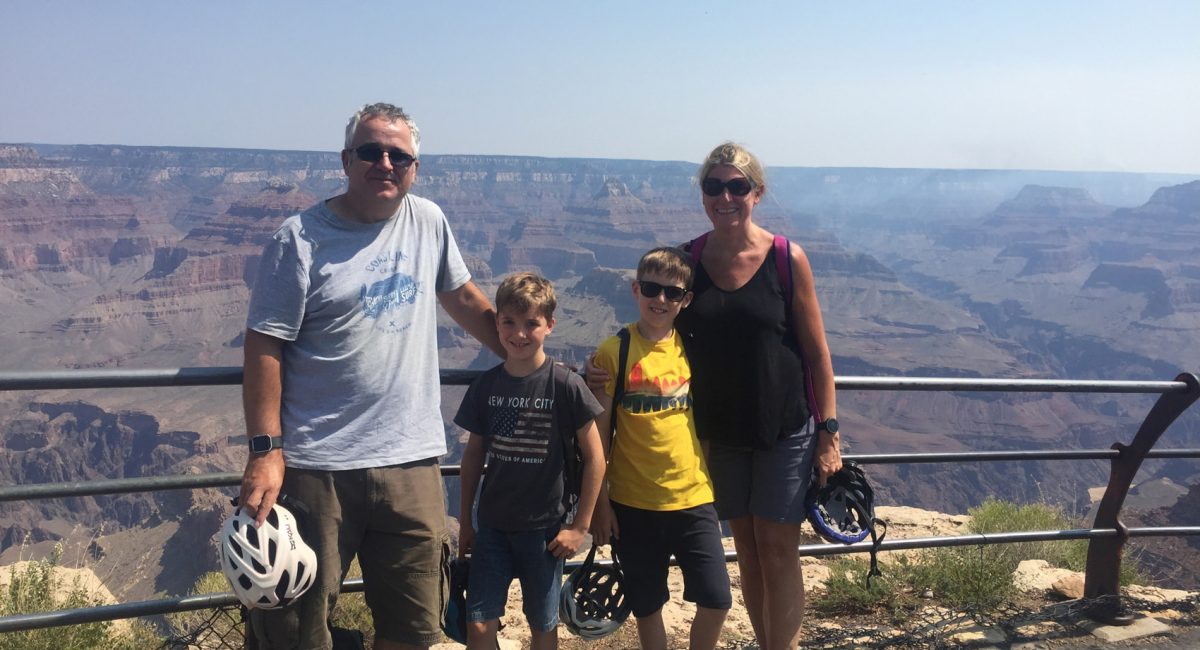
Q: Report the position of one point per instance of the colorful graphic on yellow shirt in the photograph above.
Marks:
(655, 393)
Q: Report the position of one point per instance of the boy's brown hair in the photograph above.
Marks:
(668, 262)
(522, 292)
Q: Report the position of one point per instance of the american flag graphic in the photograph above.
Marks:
(520, 435)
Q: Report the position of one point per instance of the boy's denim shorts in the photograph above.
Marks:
(497, 558)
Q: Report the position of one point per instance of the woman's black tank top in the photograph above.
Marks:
(747, 374)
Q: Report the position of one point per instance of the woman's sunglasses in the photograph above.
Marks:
(373, 153)
(736, 186)
(652, 289)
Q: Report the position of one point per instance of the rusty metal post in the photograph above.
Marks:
(1104, 554)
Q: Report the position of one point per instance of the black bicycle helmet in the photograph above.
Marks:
(843, 511)
(593, 604)
(454, 622)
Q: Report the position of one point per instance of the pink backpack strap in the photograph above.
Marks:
(783, 267)
(696, 247)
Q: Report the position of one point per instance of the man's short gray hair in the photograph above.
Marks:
(388, 112)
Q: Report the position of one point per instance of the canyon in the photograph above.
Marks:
(142, 257)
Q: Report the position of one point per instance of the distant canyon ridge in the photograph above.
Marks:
(142, 257)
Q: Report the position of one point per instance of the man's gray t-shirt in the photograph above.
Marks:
(357, 304)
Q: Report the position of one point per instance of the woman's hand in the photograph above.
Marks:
(828, 458)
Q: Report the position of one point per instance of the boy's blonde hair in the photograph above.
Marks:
(667, 262)
(522, 292)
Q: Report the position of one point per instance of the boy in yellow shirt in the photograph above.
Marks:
(658, 500)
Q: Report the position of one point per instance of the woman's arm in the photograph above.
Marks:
(810, 334)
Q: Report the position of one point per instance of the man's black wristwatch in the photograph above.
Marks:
(263, 443)
(828, 425)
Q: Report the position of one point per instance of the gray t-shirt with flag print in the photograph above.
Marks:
(526, 423)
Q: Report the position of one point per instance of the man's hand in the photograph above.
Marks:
(604, 524)
(567, 543)
(261, 483)
(466, 538)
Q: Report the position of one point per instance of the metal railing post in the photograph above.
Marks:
(1103, 572)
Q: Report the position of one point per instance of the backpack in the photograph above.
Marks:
(783, 269)
(572, 455)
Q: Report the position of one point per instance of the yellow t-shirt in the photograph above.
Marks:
(656, 460)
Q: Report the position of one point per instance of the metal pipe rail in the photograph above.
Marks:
(1107, 535)
(231, 479)
(232, 375)
(227, 599)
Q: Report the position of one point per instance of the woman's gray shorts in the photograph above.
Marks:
(768, 483)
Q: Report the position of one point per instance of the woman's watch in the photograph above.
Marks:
(828, 425)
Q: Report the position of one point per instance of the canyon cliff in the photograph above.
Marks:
(142, 257)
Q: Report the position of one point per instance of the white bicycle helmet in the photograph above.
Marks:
(267, 566)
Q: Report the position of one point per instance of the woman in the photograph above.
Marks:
(744, 339)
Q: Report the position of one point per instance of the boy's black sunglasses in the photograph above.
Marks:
(736, 186)
(652, 289)
(373, 153)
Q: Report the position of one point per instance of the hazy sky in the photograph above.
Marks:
(1080, 85)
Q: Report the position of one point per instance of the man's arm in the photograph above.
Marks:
(262, 396)
(474, 313)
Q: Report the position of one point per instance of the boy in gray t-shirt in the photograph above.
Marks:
(524, 414)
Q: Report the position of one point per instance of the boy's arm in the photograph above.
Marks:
(472, 469)
(604, 523)
(569, 540)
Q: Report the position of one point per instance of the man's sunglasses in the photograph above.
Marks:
(373, 153)
(652, 289)
(736, 186)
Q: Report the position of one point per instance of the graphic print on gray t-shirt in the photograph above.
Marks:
(521, 429)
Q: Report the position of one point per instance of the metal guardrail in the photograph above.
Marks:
(1107, 536)
(84, 615)
(232, 376)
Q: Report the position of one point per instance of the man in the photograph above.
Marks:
(341, 387)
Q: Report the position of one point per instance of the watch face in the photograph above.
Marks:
(830, 425)
(260, 444)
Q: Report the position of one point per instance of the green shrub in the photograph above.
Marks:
(994, 516)
(973, 577)
(36, 587)
(847, 591)
(960, 577)
(204, 628)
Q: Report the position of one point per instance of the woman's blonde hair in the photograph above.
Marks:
(738, 157)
